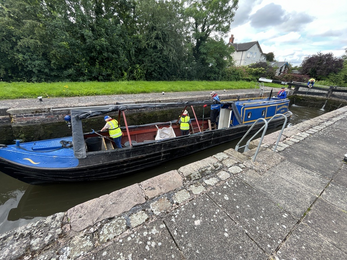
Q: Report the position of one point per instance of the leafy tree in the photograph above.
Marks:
(160, 40)
(65, 40)
(320, 66)
(23, 46)
(269, 56)
(340, 79)
(261, 69)
(345, 55)
(207, 17)
(218, 56)
(92, 39)
(104, 40)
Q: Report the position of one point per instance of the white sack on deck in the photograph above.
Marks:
(164, 133)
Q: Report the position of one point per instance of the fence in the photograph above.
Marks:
(320, 91)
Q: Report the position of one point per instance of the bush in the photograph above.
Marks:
(320, 66)
(293, 77)
(235, 74)
(261, 69)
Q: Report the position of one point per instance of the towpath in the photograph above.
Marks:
(289, 204)
(66, 102)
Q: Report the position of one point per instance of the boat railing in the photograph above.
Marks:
(264, 129)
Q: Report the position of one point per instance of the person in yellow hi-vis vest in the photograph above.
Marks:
(311, 82)
(114, 130)
(184, 123)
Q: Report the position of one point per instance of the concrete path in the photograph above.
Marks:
(289, 204)
(33, 111)
(48, 103)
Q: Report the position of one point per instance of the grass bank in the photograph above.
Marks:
(18, 90)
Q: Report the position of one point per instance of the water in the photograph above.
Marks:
(22, 203)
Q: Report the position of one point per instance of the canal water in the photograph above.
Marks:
(22, 203)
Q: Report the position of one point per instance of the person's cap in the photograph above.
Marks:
(67, 118)
(107, 118)
(185, 112)
(282, 87)
(212, 93)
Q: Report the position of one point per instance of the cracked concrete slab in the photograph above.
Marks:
(314, 182)
(302, 155)
(341, 176)
(301, 245)
(336, 194)
(204, 231)
(265, 222)
(294, 198)
(330, 222)
(329, 146)
(152, 241)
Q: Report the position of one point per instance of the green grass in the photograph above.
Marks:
(18, 90)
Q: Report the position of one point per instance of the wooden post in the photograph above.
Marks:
(127, 128)
(330, 91)
(296, 89)
(196, 119)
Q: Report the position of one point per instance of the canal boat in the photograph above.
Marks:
(93, 155)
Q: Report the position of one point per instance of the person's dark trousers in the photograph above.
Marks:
(213, 116)
(184, 132)
(118, 142)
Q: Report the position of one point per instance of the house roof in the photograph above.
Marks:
(245, 46)
(278, 63)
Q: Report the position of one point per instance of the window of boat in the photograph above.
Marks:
(263, 113)
(249, 115)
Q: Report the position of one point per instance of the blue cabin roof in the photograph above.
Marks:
(251, 110)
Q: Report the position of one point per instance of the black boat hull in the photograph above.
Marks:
(110, 164)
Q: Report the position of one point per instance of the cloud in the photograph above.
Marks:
(292, 30)
(273, 15)
(292, 37)
(330, 33)
(243, 12)
(295, 22)
(269, 15)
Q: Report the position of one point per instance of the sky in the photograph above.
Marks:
(294, 29)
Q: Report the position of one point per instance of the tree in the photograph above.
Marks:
(340, 79)
(92, 38)
(65, 40)
(269, 56)
(261, 69)
(320, 66)
(218, 56)
(345, 55)
(160, 40)
(107, 40)
(207, 17)
(23, 49)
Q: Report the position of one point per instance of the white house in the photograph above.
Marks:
(246, 53)
(282, 67)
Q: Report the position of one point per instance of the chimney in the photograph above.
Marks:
(231, 39)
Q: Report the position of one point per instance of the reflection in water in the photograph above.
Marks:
(21, 203)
